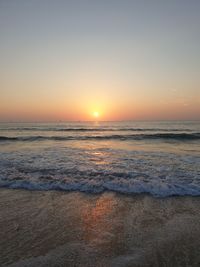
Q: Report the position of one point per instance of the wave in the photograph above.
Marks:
(120, 185)
(163, 136)
(103, 129)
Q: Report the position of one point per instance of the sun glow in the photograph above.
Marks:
(96, 114)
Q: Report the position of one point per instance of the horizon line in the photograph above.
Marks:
(99, 121)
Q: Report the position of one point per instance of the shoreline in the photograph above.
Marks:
(59, 228)
(31, 188)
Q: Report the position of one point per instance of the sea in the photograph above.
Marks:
(159, 158)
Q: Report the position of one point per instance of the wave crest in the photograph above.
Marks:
(164, 136)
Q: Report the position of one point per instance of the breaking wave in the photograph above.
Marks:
(167, 136)
(121, 183)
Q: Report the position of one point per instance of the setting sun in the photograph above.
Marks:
(96, 114)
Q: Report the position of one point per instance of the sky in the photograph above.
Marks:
(123, 59)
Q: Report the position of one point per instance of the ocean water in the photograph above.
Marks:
(159, 158)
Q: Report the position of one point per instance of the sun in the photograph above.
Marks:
(96, 114)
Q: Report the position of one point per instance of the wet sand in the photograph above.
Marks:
(77, 229)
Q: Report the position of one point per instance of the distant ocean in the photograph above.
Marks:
(159, 158)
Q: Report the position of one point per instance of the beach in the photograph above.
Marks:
(54, 228)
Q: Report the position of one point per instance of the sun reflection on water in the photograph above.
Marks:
(99, 158)
(97, 226)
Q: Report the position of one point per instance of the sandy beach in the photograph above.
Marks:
(76, 229)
